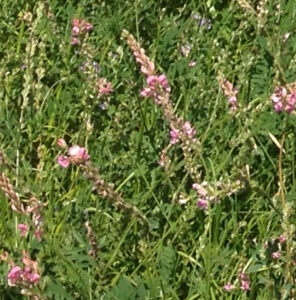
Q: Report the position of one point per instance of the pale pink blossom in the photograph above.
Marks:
(284, 99)
(282, 238)
(276, 255)
(189, 131)
(63, 161)
(104, 86)
(75, 30)
(228, 287)
(88, 27)
(61, 143)
(175, 135)
(74, 41)
(38, 235)
(23, 229)
(79, 152)
(200, 189)
(191, 64)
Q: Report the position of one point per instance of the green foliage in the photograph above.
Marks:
(182, 252)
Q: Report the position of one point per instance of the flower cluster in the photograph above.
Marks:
(79, 28)
(228, 287)
(154, 84)
(284, 99)
(188, 131)
(76, 155)
(230, 92)
(245, 282)
(203, 197)
(25, 276)
(104, 86)
(23, 228)
(79, 156)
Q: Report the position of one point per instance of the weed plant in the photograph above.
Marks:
(164, 173)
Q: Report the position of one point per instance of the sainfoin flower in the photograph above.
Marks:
(23, 229)
(79, 27)
(245, 282)
(14, 275)
(230, 92)
(276, 255)
(284, 98)
(245, 285)
(76, 155)
(228, 287)
(282, 238)
(104, 86)
(26, 276)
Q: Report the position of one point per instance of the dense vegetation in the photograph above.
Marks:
(164, 174)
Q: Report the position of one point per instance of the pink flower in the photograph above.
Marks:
(14, 275)
(145, 92)
(200, 190)
(61, 143)
(276, 255)
(192, 64)
(242, 276)
(33, 277)
(189, 131)
(75, 30)
(175, 135)
(228, 287)
(245, 285)
(63, 161)
(38, 235)
(88, 27)
(23, 229)
(74, 41)
(282, 238)
(104, 86)
(202, 203)
(79, 152)
(161, 80)
(278, 106)
(76, 22)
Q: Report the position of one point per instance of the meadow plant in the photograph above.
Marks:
(182, 132)
(79, 156)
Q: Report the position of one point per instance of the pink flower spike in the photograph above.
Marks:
(23, 229)
(63, 161)
(228, 287)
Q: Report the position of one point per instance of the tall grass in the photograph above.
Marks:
(185, 195)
